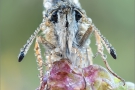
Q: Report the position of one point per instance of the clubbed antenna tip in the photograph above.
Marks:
(113, 54)
(20, 57)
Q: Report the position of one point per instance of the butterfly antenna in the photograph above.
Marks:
(26, 47)
(107, 45)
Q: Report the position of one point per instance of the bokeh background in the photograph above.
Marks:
(19, 19)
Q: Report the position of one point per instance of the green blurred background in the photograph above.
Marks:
(19, 19)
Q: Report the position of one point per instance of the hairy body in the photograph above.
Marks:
(65, 33)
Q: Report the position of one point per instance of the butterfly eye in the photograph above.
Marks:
(54, 17)
(78, 16)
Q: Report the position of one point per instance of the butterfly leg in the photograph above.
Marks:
(103, 56)
(39, 59)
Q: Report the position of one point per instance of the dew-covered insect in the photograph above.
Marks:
(65, 33)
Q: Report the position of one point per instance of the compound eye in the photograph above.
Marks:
(78, 16)
(54, 17)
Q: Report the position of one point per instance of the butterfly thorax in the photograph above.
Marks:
(66, 25)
